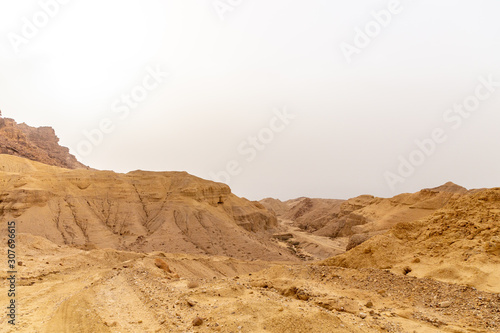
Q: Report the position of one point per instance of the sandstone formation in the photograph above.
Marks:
(364, 216)
(306, 213)
(37, 144)
(103, 252)
(368, 214)
(298, 218)
(139, 211)
(459, 243)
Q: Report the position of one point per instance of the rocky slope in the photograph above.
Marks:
(139, 211)
(37, 144)
(459, 243)
(297, 218)
(364, 216)
(367, 214)
(306, 213)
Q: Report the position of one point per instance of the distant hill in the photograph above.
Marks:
(364, 216)
(306, 213)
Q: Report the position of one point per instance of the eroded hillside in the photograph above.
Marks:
(364, 216)
(138, 211)
(459, 243)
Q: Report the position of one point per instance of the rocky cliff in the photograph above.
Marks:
(37, 144)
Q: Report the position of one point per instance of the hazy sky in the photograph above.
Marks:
(281, 98)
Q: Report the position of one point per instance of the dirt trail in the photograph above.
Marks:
(309, 246)
(70, 290)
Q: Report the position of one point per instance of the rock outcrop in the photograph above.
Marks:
(459, 243)
(367, 214)
(139, 211)
(364, 216)
(306, 213)
(37, 144)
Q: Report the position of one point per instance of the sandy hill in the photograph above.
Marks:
(306, 213)
(299, 217)
(139, 211)
(275, 205)
(367, 214)
(37, 144)
(364, 216)
(459, 243)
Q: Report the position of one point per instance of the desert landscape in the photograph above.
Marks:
(250, 166)
(99, 251)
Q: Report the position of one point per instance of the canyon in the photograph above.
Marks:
(100, 251)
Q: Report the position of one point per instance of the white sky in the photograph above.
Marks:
(352, 121)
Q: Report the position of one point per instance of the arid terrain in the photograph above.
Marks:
(139, 211)
(100, 251)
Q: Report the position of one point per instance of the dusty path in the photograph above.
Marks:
(309, 246)
(70, 290)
